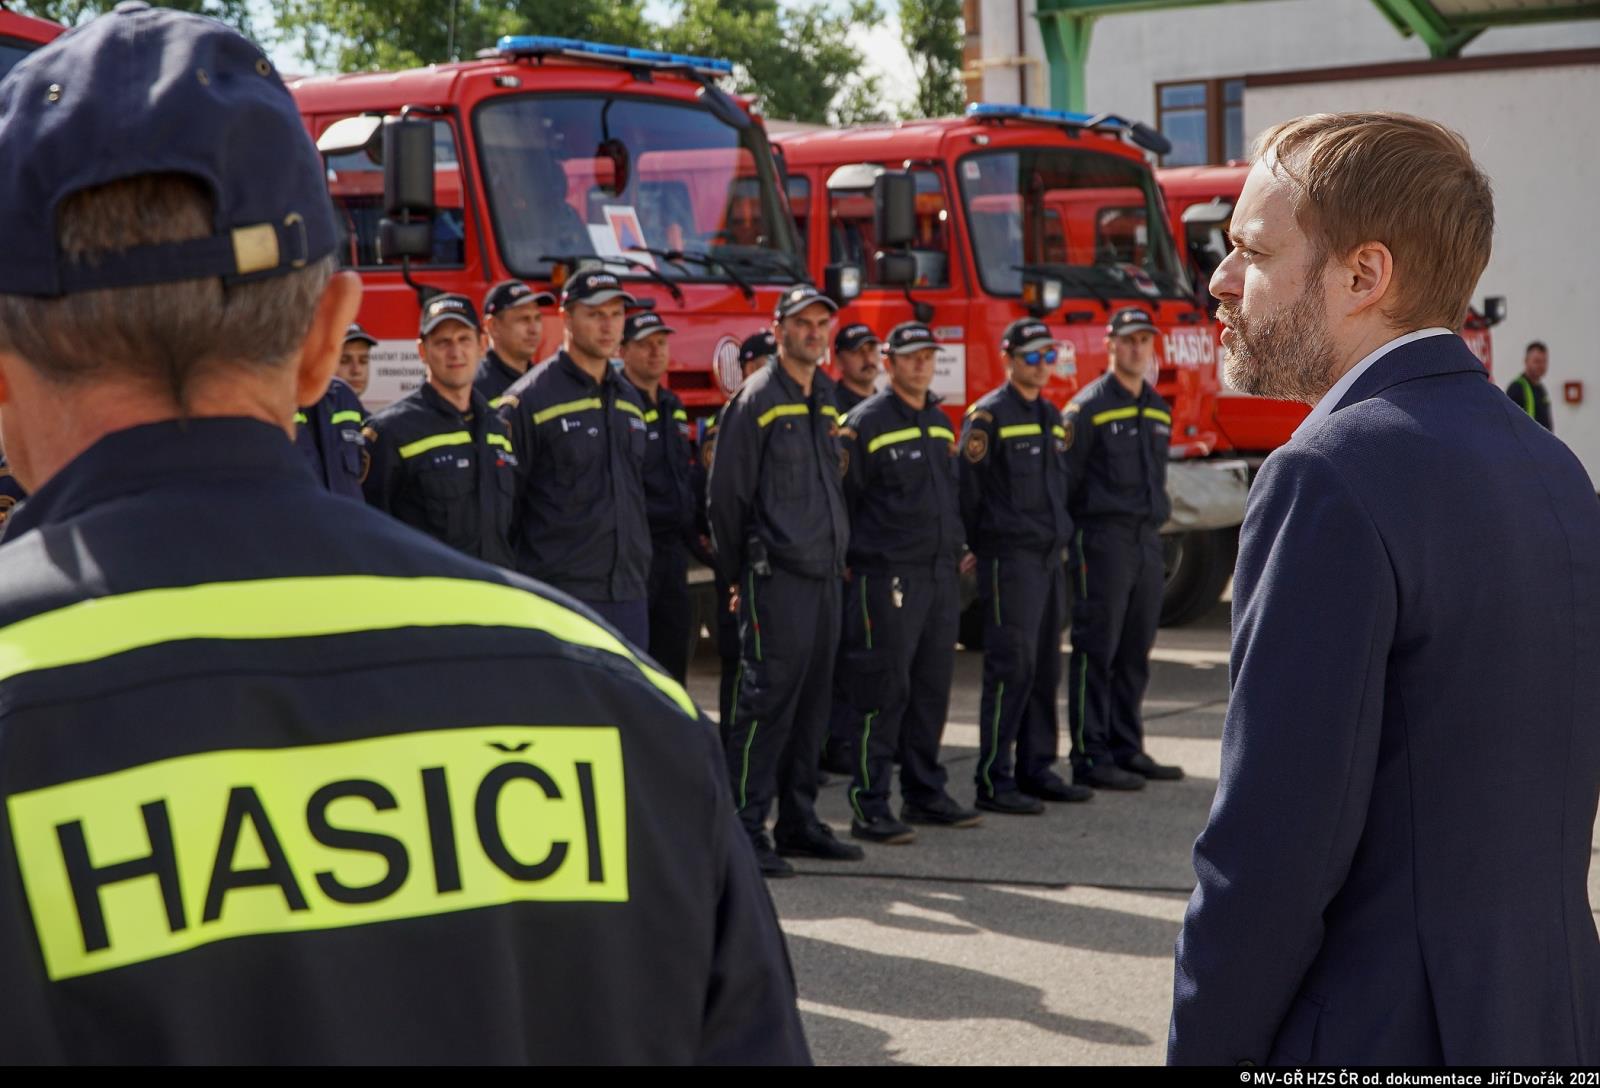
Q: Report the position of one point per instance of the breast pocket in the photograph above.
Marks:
(446, 491)
(788, 457)
(1025, 462)
(1124, 467)
(575, 452)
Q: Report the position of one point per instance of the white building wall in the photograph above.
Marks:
(1536, 131)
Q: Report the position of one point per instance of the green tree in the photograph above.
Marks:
(932, 33)
(236, 13)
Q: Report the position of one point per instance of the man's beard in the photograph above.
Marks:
(1284, 355)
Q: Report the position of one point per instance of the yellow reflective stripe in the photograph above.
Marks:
(345, 417)
(680, 415)
(629, 406)
(942, 432)
(1114, 413)
(1020, 430)
(891, 438)
(830, 410)
(781, 410)
(500, 440)
(471, 817)
(433, 442)
(300, 417)
(296, 608)
(1059, 431)
(649, 417)
(570, 406)
(1156, 413)
(498, 401)
(1527, 394)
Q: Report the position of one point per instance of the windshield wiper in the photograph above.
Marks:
(572, 262)
(784, 262)
(677, 256)
(1082, 277)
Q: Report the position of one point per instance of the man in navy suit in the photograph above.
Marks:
(1395, 866)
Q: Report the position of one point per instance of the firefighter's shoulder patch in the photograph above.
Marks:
(1068, 432)
(977, 444)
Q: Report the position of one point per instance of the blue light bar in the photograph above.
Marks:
(529, 45)
(1141, 134)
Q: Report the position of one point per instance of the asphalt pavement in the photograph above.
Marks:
(1026, 940)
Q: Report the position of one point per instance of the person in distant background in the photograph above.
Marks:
(1527, 389)
(355, 359)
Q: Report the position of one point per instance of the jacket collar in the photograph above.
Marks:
(1428, 358)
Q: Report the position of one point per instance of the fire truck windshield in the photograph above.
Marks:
(1095, 220)
(661, 183)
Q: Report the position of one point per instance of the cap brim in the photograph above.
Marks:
(439, 319)
(915, 345)
(644, 334)
(541, 298)
(364, 337)
(814, 300)
(600, 298)
(1036, 342)
(1142, 326)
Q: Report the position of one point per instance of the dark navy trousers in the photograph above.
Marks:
(788, 635)
(1024, 599)
(670, 613)
(896, 662)
(1120, 574)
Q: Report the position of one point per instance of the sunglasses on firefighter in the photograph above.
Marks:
(1034, 358)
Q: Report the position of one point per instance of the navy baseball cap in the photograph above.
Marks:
(1130, 319)
(756, 347)
(509, 294)
(640, 325)
(909, 336)
(356, 332)
(442, 308)
(594, 287)
(854, 336)
(154, 91)
(1026, 334)
(798, 298)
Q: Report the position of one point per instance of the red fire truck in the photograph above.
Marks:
(968, 223)
(21, 35)
(544, 155)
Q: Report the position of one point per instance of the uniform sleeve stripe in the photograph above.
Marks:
(1101, 418)
(629, 406)
(680, 415)
(781, 410)
(649, 417)
(500, 440)
(284, 608)
(1156, 413)
(830, 410)
(300, 417)
(547, 414)
(497, 402)
(942, 432)
(1020, 430)
(345, 417)
(433, 442)
(891, 438)
(1059, 431)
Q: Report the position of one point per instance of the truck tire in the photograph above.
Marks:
(1199, 565)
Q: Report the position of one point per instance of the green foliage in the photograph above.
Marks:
(236, 13)
(932, 33)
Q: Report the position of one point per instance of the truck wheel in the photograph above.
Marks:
(1199, 565)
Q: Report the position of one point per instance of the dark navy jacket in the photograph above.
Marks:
(775, 477)
(669, 489)
(11, 492)
(1117, 447)
(329, 434)
(448, 473)
(580, 522)
(273, 789)
(1014, 485)
(900, 485)
(494, 377)
(1395, 868)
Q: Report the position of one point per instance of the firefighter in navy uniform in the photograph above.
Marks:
(329, 434)
(442, 461)
(285, 797)
(514, 322)
(579, 433)
(355, 359)
(780, 531)
(1119, 430)
(902, 599)
(1014, 486)
(668, 488)
(755, 352)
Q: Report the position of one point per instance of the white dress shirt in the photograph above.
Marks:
(1330, 399)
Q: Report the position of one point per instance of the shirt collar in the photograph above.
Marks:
(1330, 399)
(157, 454)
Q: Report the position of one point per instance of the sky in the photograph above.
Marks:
(884, 56)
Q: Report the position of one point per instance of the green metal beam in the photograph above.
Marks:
(1066, 46)
(1419, 17)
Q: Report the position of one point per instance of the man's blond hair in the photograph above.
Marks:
(1404, 181)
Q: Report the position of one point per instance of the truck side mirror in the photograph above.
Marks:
(1494, 310)
(894, 209)
(408, 198)
(896, 269)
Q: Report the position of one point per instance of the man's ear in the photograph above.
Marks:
(319, 354)
(1365, 278)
